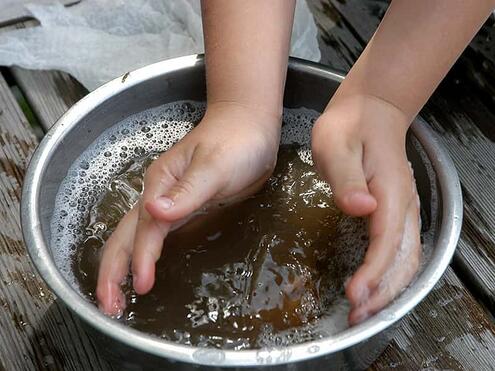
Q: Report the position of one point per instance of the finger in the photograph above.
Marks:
(342, 166)
(202, 180)
(195, 186)
(400, 274)
(148, 245)
(392, 187)
(150, 232)
(114, 265)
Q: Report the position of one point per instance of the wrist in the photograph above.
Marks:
(245, 112)
(366, 107)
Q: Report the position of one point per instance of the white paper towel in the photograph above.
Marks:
(98, 40)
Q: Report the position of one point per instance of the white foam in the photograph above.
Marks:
(151, 131)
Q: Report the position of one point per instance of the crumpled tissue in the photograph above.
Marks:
(98, 40)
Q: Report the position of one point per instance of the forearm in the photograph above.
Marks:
(415, 45)
(247, 46)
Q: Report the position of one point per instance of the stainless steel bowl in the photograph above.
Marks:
(308, 85)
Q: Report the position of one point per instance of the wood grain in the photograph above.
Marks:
(446, 331)
(37, 332)
(49, 93)
(339, 47)
(473, 154)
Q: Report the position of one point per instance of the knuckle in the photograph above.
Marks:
(215, 155)
(353, 182)
(185, 186)
(336, 148)
(167, 167)
(375, 282)
(160, 171)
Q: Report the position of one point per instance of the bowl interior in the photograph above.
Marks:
(308, 85)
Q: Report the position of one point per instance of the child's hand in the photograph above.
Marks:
(229, 155)
(359, 148)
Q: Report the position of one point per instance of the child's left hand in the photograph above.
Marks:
(358, 146)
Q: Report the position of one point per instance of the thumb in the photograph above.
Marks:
(342, 167)
(200, 182)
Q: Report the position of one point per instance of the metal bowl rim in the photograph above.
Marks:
(449, 188)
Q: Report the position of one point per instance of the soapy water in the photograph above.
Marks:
(147, 133)
(110, 173)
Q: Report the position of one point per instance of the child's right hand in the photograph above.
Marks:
(229, 155)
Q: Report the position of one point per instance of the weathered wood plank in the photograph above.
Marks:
(462, 111)
(362, 17)
(37, 331)
(481, 54)
(468, 134)
(339, 48)
(447, 331)
(14, 11)
(49, 93)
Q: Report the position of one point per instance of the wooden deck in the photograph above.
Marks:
(453, 328)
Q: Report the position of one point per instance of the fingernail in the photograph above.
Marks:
(114, 306)
(118, 306)
(164, 203)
